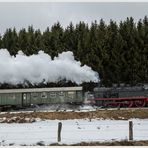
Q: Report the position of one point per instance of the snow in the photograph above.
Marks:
(88, 108)
(73, 131)
(56, 107)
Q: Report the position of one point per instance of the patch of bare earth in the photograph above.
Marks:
(115, 143)
(63, 115)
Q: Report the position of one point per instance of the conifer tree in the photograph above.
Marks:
(119, 53)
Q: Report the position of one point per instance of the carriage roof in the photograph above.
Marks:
(40, 89)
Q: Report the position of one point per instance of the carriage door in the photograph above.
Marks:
(26, 99)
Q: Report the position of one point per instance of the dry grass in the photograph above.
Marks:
(115, 143)
(105, 114)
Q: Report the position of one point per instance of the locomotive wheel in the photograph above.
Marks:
(111, 105)
(140, 103)
(128, 104)
(118, 105)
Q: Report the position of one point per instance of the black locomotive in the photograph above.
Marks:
(121, 96)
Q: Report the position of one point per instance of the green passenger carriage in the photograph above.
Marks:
(29, 96)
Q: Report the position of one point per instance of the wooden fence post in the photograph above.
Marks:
(59, 131)
(90, 116)
(130, 130)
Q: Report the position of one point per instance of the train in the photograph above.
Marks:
(121, 96)
(116, 96)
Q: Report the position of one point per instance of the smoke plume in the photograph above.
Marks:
(40, 67)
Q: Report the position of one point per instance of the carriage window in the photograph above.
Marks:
(44, 95)
(79, 93)
(24, 96)
(12, 96)
(61, 93)
(71, 94)
(53, 95)
(34, 95)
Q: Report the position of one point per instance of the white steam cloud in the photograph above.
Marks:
(40, 67)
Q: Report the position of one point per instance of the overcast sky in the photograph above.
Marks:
(41, 15)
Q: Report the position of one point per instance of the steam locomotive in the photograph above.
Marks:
(121, 96)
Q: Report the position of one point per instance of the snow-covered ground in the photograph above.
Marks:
(73, 131)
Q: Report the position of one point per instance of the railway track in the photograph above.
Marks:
(67, 108)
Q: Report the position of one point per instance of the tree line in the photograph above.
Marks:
(117, 51)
